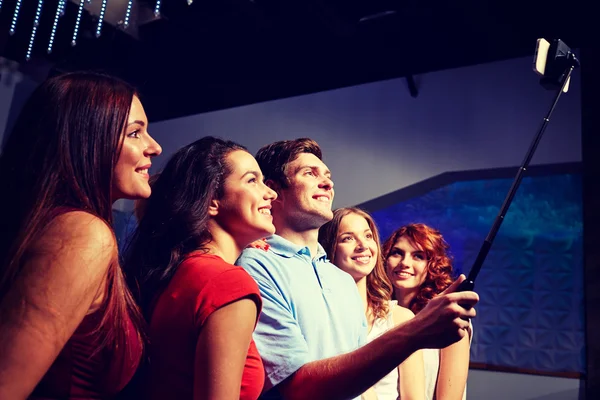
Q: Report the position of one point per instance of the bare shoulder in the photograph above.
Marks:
(75, 240)
(401, 314)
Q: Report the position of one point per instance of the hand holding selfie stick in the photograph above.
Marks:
(556, 74)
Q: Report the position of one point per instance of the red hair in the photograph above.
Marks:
(439, 262)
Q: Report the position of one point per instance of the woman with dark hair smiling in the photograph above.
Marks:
(208, 203)
(69, 327)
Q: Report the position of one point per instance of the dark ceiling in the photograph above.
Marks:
(217, 54)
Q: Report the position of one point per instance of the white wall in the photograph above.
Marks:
(377, 139)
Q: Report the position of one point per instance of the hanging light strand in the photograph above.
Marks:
(13, 24)
(77, 21)
(59, 11)
(127, 14)
(62, 4)
(36, 23)
(101, 19)
(157, 9)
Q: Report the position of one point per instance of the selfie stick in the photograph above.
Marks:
(469, 283)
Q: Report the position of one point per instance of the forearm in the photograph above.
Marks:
(454, 369)
(348, 375)
(412, 378)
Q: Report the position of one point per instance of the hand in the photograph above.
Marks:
(260, 244)
(444, 321)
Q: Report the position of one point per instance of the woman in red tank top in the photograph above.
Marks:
(69, 327)
(208, 203)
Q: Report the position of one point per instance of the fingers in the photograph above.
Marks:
(466, 298)
(452, 288)
(462, 324)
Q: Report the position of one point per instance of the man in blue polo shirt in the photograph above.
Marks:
(312, 327)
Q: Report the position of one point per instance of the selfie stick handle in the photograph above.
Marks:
(469, 283)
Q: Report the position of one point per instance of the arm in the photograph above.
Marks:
(411, 373)
(454, 369)
(438, 325)
(61, 279)
(221, 351)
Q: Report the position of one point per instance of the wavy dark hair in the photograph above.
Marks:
(439, 261)
(174, 220)
(62, 153)
(379, 288)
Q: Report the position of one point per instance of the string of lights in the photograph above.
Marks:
(60, 12)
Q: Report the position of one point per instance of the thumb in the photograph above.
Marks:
(452, 288)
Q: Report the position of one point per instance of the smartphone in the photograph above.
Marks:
(541, 61)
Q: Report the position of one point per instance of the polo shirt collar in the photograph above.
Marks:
(285, 248)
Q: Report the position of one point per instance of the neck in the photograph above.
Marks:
(223, 244)
(404, 298)
(308, 237)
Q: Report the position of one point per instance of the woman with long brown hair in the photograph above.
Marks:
(419, 266)
(69, 327)
(351, 241)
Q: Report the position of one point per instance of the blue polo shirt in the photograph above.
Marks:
(311, 309)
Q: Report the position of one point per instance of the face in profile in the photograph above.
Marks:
(406, 265)
(131, 171)
(356, 250)
(245, 208)
(309, 195)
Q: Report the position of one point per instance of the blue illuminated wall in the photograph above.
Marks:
(530, 315)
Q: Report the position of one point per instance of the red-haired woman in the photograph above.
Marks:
(419, 267)
(69, 327)
(352, 243)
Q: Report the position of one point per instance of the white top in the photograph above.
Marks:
(387, 387)
(431, 361)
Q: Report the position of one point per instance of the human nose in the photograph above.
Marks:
(270, 194)
(405, 261)
(326, 183)
(360, 244)
(153, 148)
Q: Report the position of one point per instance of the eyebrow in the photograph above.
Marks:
(137, 121)
(352, 233)
(413, 252)
(255, 173)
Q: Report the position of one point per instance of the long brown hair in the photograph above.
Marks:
(62, 153)
(439, 261)
(379, 288)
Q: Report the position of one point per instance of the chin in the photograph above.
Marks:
(266, 231)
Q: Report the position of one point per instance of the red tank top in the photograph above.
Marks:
(81, 371)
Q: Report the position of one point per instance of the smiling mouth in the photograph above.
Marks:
(362, 259)
(264, 211)
(403, 274)
(323, 199)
